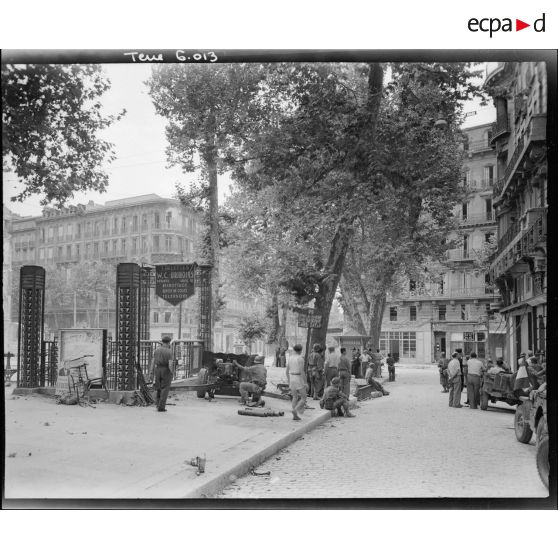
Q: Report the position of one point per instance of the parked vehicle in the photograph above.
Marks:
(530, 418)
(498, 386)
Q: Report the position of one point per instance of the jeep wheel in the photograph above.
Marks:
(523, 431)
(484, 401)
(543, 466)
(202, 378)
(541, 431)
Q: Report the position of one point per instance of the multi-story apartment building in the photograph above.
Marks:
(10, 325)
(426, 319)
(146, 229)
(519, 91)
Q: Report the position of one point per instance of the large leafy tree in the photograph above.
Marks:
(51, 117)
(209, 109)
(418, 161)
(311, 168)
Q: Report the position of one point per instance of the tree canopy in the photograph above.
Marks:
(51, 117)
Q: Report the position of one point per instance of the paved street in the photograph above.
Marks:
(410, 444)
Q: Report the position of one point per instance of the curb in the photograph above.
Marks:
(215, 485)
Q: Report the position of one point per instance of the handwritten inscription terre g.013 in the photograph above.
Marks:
(179, 56)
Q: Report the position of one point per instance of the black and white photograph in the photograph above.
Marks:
(273, 276)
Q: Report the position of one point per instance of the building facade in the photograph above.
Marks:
(144, 229)
(457, 310)
(519, 267)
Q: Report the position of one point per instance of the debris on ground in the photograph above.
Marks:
(12, 454)
(47, 424)
(257, 474)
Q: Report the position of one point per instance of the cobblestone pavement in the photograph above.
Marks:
(408, 444)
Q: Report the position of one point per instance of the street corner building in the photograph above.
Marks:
(519, 267)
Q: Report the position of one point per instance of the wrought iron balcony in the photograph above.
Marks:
(459, 254)
(438, 293)
(477, 219)
(478, 146)
(499, 129)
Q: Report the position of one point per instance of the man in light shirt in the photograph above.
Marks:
(331, 365)
(296, 377)
(475, 371)
(454, 379)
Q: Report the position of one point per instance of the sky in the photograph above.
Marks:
(139, 143)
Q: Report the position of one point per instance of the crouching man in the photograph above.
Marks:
(335, 400)
(254, 382)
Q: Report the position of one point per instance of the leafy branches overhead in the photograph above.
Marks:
(51, 115)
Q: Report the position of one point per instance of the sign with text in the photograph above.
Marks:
(175, 282)
(306, 318)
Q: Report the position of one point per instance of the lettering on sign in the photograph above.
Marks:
(175, 282)
(309, 320)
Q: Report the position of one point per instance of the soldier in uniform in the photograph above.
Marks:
(255, 381)
(316, 371)
(162, 367)
(390, 361)
(345, 372)
(443, 369)
(334, 399)
(331, 365)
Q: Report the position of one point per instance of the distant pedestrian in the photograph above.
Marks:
(475, 373)
(297, 381)
(344, 372)
(162, 367)
(454, 378)
(331, 365)
(443, 370)
(390, 361)
(335, 400)
(377, 360)
(283, 357)
(316, 363)
(278, 357)
(355, 363)
(364, 360)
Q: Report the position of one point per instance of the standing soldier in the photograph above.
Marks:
(316, 371)
(454, 378)
(443, 369)
(355, 363)
(344, 372)
(475, 371)
(390, 361)
(297, 381)
(162, 367)
(331, 365)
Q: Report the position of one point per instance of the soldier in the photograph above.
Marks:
(390, 361)
(344, 372)
(355, 363)
(331, 365)
(316, 371)
(454, 378)
(297, 381)
(254, 382)
(443, 369)
(475, 372)
(162, 367)
(334, 400)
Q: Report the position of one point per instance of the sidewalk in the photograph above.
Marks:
(113, 451)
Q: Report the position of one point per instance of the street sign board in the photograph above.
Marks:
(307, 319)
(175, 282)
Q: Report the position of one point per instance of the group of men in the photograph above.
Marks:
(362, 362)
(457, 373)
(327, 378)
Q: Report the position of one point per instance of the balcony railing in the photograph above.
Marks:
(439, 293)
(477, 218)
(479, 146)
(521, 245)
(509, 235)
(535, 131)
(460, 255)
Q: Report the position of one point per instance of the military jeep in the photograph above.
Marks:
(530, 417)
(498, 386)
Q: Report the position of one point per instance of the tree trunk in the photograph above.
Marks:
(349, 303)
(328, 285)
(282, 331)
(377, 308)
